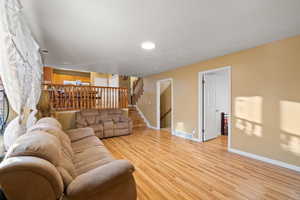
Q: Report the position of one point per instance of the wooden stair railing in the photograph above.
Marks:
(138, 90)
(72, 97)
(165, 114)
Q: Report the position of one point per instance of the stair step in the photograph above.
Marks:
(135, 116)
(139, 126)
(138, 121)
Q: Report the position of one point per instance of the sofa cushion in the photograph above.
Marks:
(115, 118)
(46, 146)
(108, 125)
(53, 130)
(102, 116)
(80, 121)
(97, 127)
(81, 145)
(91, 120)
(40, 144)
(50, 120)
(91, 158)
(80, 133)
(92, 165)
(90, 154)
(61, 135)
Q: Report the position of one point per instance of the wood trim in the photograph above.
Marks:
(47, 75)
(158, 102)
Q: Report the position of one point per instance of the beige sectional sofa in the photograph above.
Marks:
(49, 164)
(106, 123)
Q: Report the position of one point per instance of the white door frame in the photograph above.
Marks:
(158, 103)
(200, 102)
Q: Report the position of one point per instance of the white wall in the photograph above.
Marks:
(222, 95)
(113, 81)
(99, 81)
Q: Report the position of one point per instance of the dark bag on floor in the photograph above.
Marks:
(2, 196)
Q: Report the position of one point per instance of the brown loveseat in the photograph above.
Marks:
(49, 164)
(106, 123)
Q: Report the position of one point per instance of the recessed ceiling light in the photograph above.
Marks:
(148, 45)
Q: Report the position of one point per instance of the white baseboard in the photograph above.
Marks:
(265, 159)
(144, 118)
(153, 127)
(185, 135)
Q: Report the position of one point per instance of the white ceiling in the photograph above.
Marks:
(105, 35)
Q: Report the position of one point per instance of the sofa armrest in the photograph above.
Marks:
(27, 178)
(80, 126)
(101, 179)
(80, 133)
(130, 125)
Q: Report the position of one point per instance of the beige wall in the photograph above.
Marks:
(124, 83)
(66, 118)
(165, 105)
(265, 98)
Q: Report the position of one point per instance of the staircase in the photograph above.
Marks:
(138, 90)
(138, 121)
(133, 113)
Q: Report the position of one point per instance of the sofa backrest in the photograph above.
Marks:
(90, 117)
(37, 144)
(65, 166)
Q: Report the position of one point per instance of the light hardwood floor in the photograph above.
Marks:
(169, 167)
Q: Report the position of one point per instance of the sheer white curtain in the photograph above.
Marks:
(20, 67)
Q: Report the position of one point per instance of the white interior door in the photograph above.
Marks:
(210, 107)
